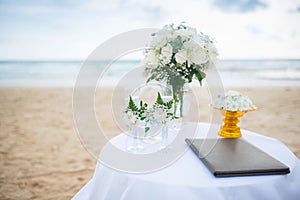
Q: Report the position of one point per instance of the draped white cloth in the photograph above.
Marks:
(188, 178)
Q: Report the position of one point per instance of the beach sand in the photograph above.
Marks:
(42, 156)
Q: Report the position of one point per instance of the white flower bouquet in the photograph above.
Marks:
(176, 55)
(143, 117)
(161, 112)
(136, 116)
(233, 101)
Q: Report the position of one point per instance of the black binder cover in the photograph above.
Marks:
(235, 157)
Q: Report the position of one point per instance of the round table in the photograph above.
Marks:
(188, 178)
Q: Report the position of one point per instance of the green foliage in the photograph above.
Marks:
(147, 129)
(200, 76)
(159, 101)
(141, 111)
(132, 106)
(165, 105)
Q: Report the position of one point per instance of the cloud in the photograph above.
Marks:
(71, 29)
(239, 5)
(254, 29)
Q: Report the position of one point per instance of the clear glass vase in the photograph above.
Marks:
(181, 106)
(182, 101)
(136, 135)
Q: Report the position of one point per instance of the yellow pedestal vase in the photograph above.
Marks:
(230, 128)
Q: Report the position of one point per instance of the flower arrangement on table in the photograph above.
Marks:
(232, 105)
(136, 116)
(233, 101)
(140, 119)
(142, 116)
(161, 112)
(176, 55)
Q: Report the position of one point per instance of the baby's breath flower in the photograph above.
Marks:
(233, 101)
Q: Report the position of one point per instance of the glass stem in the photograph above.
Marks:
(165, 134)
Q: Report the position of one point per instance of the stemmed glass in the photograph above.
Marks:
(165, 137)
(136, 129)
(136, 133)
(148, 93)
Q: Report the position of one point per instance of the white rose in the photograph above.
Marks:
(166, 53)
(195, 54)
(181, 56)
(198, 56)
(151, 59)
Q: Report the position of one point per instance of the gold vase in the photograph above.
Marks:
(230, 128)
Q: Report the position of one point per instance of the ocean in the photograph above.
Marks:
(64, 73)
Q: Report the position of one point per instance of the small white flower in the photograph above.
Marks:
(233, 101)
(130, 118)
(198, 56)
(166, 53)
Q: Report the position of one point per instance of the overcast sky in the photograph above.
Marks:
(72, 29)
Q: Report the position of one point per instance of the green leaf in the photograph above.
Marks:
(159, 100)
(200, 76)
(147, 129)
(132, 106)
(169, 104)
(152, 77)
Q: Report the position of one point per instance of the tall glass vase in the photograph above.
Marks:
(181, 106)
(182, 101)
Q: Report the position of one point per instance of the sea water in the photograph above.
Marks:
(65, 73)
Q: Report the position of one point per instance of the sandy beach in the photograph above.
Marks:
(41, 154)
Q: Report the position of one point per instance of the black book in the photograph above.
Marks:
(235, 157)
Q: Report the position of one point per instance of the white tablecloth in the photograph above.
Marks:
(189, 179)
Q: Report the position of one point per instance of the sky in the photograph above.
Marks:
(72, 29)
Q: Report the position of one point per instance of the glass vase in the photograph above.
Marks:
(182, 102)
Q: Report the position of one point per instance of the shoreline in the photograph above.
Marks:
(227, 82)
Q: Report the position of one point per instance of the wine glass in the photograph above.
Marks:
(148, 94)
(136, 128)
